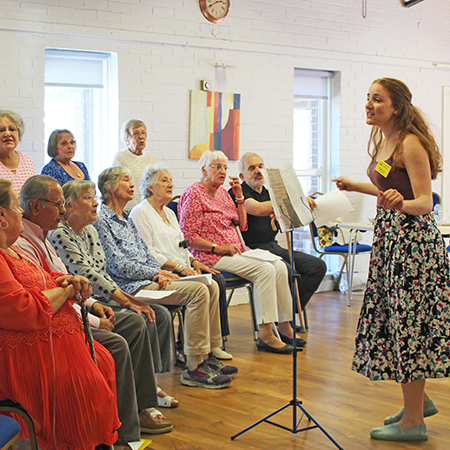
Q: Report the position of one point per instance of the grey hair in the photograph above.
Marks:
(52, 149)
(73, 189)
(208, 157)
(5, 193)
(125, 130)
(36, 187)
(108, 180)
(245, 156)
(150, 178)
(16, 119)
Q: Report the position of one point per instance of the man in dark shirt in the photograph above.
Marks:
(260, 233)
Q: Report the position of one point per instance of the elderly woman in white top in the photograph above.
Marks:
(134, 135)
(158, 227)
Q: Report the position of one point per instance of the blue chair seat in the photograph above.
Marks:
(233, 281)
(344, 248)
(9, 431)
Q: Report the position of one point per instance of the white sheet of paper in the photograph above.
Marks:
(288, 198)
(152, 295)
(331, 206)
(261, 255)
(205, 278)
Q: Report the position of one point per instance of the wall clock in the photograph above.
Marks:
(408, 3)
(214, 10)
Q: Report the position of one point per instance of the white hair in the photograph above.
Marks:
(209, 157)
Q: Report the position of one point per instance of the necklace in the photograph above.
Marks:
(74, 172)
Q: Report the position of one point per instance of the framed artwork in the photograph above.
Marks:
(214, 123)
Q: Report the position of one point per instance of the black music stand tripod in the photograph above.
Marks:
(295, 403)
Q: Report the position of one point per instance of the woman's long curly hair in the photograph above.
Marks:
(408, 120)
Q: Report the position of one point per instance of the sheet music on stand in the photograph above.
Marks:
(286, 191)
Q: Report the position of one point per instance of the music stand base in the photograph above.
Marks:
(295, 428)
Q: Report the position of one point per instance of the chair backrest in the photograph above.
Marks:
(173, 204)
(436, 199)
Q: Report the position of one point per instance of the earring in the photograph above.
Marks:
(4, 225)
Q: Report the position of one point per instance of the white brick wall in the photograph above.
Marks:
(166, 47)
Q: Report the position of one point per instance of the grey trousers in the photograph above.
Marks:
(130, 347)
(160, 335)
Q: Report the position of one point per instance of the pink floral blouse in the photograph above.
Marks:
(202, 216)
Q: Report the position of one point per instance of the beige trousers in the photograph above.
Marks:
(202, 320)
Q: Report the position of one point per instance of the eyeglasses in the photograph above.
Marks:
(57, 203)
(89, 198)
(66, 143)
(218, 167)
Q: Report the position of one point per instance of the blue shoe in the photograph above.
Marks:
(429, 409)
(393, 432)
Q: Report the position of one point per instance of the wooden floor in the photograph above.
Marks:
(345, 404)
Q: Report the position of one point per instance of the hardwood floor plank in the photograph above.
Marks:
(346, 404)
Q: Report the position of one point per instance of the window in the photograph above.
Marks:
(81, 95)
(311, 141)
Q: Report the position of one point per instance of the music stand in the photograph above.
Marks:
(295, 403)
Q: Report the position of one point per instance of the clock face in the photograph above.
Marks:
(215, 10)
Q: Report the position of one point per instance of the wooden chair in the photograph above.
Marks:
(10, 406)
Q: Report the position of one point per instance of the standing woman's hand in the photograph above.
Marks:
(391, 199)
(344, 183)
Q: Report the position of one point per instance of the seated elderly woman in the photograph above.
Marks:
(158, 227)
(15, 166)
(206, 212)
(79, 248)
(135, 269)
(45, 364)
(133, 156)
(61, 148)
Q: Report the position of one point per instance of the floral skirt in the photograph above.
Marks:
(403, 332)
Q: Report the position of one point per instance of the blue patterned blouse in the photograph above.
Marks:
(56, 171)
(128, 259)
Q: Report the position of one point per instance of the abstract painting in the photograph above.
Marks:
(214, 123)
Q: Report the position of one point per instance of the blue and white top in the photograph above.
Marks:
(56, 171)
(128, 259)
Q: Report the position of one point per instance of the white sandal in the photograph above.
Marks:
(167, 401)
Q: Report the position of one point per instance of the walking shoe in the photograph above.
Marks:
(393, 432)
(203, 376)
(429, 409)
(219, 368)
(149, 422)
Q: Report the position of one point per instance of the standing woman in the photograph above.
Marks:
(15, 166)
(404, 326)
(133, 156)
(61, 148)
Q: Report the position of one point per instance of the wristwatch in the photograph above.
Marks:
(213, 248)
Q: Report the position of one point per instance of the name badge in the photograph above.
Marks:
(383, 168)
